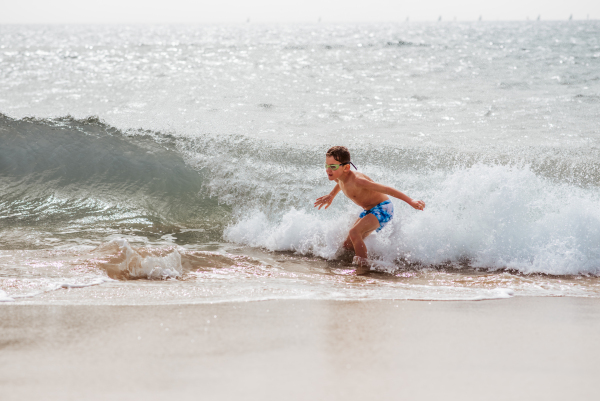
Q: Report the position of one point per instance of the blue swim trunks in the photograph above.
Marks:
(384, 213)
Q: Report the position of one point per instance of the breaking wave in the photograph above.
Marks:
(525, 209)
(81, 174)
(494, 217)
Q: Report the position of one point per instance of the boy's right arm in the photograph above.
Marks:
(327, 199)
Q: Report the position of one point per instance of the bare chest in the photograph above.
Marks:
(353, 192)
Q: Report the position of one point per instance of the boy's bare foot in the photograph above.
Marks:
(362, 266)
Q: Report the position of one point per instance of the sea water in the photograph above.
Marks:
(180, 164)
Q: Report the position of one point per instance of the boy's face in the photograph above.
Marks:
(334, 175)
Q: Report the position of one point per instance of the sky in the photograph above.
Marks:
(258, 11)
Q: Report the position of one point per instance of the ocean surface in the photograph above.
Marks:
(180, 164)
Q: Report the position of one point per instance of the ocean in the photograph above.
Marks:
(174, 164)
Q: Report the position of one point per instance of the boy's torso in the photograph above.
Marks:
(365, 198)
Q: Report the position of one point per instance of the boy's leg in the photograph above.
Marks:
(361, 229)
(348, 242)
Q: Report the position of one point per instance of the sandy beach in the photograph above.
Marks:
(520, 348)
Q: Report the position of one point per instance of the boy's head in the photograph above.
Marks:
(337, 155)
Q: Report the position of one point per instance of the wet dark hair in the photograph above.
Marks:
(339, 153)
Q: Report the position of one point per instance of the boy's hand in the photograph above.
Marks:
(324, 201)
(419, 205)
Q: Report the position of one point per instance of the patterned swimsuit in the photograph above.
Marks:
(384, 213)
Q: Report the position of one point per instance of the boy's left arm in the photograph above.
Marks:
(384, 189)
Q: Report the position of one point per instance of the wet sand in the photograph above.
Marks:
(519, 348)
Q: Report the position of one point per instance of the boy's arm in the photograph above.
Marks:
(384, 189)
(327, 199)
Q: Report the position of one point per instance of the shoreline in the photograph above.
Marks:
(520, 348)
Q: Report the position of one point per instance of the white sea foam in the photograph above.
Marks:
(5, 298)
(139, 264)
(297, 230)
(496, 293)
(54, 287)
(491, 216)
(98, 281)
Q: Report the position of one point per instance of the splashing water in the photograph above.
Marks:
(193, 181)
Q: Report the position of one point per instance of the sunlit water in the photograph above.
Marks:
(179, 164)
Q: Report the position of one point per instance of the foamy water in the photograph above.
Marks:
(143, 165)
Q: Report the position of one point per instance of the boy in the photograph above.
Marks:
(367, 194)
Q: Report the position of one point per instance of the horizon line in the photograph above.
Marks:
(315, 21)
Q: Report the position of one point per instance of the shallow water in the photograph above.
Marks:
(179, 164)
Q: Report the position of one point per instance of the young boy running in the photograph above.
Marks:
(367, 194)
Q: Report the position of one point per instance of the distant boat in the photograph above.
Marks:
(440, 18)
(539, 16)
(480, 18)
(571, 17)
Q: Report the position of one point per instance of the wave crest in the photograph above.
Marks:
(66, 171)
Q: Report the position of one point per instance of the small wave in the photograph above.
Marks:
(587, 98)
(496, 293)
(401, 43)
(513, 85)
(83, 285)
(5, 298)
(124, 262)
(121, 261)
